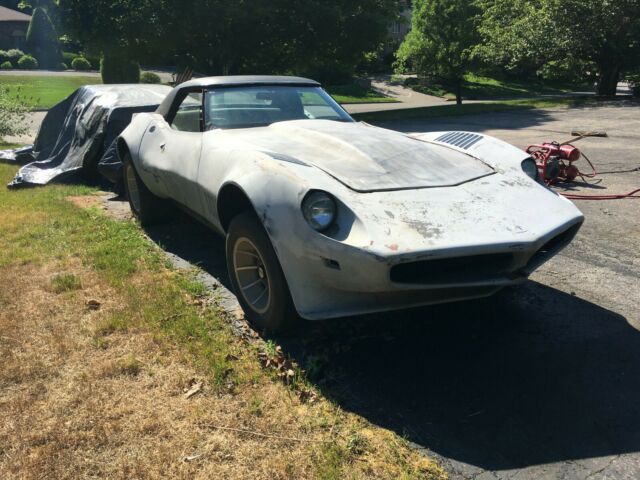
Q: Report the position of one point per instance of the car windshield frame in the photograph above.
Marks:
(328, 103)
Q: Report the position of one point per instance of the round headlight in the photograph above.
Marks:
(319, 209)
(530, 167)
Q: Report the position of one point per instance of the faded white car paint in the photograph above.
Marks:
(401, 199)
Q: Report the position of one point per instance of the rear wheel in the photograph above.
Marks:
(148, 208)
(257, 277)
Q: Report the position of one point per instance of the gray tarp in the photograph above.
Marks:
(80, 132)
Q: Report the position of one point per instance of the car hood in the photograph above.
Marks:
(365, 158)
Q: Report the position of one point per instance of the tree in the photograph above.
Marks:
(516, 36)
(573, 34)
(42, 40)
(441, 40)
(119, 69)
(243, 36)
(122, 31)
(606, 32)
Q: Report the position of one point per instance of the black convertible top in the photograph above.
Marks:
(231, 81)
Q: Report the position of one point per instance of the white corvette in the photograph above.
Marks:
(326, 217)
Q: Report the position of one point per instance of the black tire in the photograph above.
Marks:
(148, 208)
(273, 312)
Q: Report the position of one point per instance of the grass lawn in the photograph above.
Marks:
(44, 91)
(480, 88)
(101, 340)
(354, 93)
(469, 109)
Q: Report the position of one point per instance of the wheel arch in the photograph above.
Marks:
(122, 148)
(232, 201)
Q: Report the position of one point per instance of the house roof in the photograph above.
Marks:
(8, 15)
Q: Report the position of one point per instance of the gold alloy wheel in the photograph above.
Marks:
(251, 275)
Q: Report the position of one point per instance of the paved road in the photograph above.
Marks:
(407, 98)
(538, 382)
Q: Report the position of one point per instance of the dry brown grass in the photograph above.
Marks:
(80, 400)
(100, 341)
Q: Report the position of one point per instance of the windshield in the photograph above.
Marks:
(244, 107)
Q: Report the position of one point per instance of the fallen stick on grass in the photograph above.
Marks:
(263, 435)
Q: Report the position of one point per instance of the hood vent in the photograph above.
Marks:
(463, 140)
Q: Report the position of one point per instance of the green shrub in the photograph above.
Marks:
(42, 40)
(150, 77)
(6, 66)
(117, 68)
(634, 83)
(94, 61)
(27, 62)
(81, 64)
(13, 113)
(63, 66)
(4, 56)
(14, 55)
(69, 57)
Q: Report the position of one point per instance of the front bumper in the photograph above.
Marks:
(340, 280)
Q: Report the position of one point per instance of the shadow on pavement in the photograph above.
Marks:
(528, 377)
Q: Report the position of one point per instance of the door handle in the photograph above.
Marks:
(163, 146)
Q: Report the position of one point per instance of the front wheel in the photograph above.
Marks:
(257, 278)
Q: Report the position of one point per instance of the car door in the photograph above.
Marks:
(171, 149)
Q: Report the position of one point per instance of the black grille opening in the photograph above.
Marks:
(554, 245)
(453, 270)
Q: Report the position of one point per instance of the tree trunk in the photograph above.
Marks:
(458, 92)
(608, 80)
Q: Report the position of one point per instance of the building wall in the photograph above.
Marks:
(13, 35)
(399, 29)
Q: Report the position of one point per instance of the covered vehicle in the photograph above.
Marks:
(326, 217)
(79, 133)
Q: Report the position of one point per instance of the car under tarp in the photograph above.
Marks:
(79, 134)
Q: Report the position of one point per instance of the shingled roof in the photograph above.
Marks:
(8, 15)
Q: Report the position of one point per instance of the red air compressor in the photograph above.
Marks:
(556, 162)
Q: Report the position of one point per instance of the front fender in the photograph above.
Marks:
(131, 137)
(276, 189)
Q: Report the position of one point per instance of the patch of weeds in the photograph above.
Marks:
(357, 444)
(270, 348)
(255, 406)
(110, 325)
(329, 461)
(414, 467)
(65, 282)
(284, 368)
(129, 365)
(193, 287)
(315, 367)
(100, 343)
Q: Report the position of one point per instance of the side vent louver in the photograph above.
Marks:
(461, 140)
